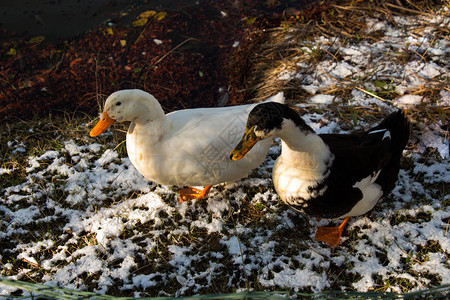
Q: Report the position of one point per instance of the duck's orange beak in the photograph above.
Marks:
(104, 122)
(246, 144)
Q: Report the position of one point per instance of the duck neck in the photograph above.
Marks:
(152, 119)
(303, 145)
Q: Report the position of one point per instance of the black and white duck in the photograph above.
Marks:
(328, 176)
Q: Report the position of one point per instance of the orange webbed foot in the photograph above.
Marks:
(191, 193)
(331, 235)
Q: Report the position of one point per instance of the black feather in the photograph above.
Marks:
(269, 116)
(357, 156)
(353, 158)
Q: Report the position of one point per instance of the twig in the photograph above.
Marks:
(30, 263)
(395, 242)
(370, 93)
(342, 116)
(140, 35)
(119, 144)
(407, 9)
(422, 56)
(176, 47)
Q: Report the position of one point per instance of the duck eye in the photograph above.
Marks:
(118, 103)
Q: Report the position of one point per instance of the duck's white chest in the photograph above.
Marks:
(142, 150)
(294, 181)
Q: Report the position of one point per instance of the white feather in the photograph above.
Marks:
(186, 147)
(301, 165)
(371, 194)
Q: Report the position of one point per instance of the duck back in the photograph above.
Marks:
(363, 168)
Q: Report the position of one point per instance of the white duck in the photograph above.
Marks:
(187, 147)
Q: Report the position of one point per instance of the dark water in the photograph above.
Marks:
(56, 19)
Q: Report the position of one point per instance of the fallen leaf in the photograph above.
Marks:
(36, 40)
(250, 21)
(147, 14)
(161, 15)
(140, 22)
(123, 43)
(109, 30)
(12, 52)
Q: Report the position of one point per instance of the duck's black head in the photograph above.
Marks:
(266, 120)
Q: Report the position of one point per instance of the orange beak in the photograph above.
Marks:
(104, 122)
(246, 144)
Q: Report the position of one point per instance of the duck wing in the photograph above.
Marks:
(220, 117)
(360, 160)
(378, 149)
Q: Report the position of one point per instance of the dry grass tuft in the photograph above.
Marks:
(291, 47)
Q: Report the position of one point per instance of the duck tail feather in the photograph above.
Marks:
(398, 126)
(276, 98)
(398, 129)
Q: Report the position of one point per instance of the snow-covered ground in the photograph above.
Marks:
(84, 218)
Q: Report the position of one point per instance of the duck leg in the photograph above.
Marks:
(331, 235)
(191, 193)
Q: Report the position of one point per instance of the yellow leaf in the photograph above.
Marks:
(272, 3)
(147, 14)
(109, 30)
(12, 52)
(36, 39)
(161, 15)
(123, 43)
(140, 22)
(250, 21)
